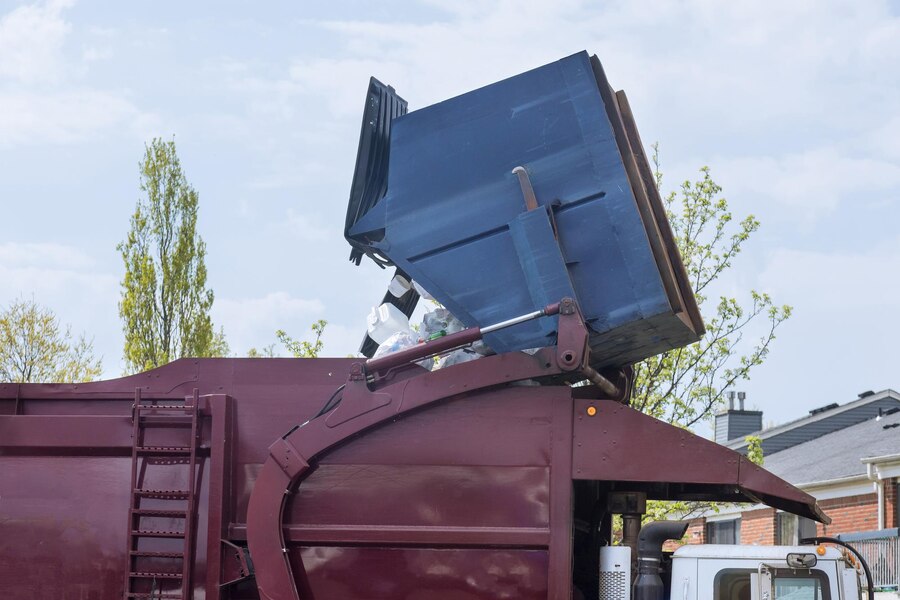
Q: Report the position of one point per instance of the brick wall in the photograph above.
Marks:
(890, 502)
(850, 514)
(696, 532)
(758, 527)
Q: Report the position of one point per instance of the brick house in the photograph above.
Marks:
(846, 456)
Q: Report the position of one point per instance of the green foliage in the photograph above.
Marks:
(686, 386)
(304, 348)
(165, 303)
(35, 348)
(754, 449)
(265, 352)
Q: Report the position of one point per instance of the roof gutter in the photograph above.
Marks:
(874, 474)
(878, 484)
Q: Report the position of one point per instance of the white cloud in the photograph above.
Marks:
(68, 116)
(340, 82)
(49, 271)
(53, 255)
(807, 185)
(839, 284)
(252, 322)
(44, 97)
(308, 227)
(31, 41)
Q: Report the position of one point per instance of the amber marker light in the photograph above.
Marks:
(820, 550)
(591, 411)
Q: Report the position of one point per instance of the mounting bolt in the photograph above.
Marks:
(567, 358)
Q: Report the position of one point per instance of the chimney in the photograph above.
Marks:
(734, 424)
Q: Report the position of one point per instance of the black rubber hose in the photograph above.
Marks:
(332, 402)
(649, 584)
(830, 540)
(654, 535)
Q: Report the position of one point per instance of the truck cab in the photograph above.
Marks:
(726, 572)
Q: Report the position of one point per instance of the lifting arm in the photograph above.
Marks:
(292, 457)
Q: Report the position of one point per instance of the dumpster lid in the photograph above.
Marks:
(623, 445)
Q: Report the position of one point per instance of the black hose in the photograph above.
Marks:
(649, 584)
(653, 535)
(328, 406)
(830, 540)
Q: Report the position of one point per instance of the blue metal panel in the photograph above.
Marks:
(455, 220)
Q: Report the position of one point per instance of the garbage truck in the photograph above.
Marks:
(527, 208)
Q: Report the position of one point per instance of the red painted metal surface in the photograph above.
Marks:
(450, 485)
(292, 457)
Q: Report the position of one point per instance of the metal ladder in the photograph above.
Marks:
(155, 582)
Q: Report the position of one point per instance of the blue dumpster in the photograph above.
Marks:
(582, 218)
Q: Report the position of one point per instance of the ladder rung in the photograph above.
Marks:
(152, 407)
(152, 512)
(162, 494)
(156, 533)
(155, 575)
(166, 421)
(149, 554)
(180, 450)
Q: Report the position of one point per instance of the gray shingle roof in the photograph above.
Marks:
(837, 455)
(800, 431)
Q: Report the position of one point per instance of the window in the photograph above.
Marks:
(723, 532)
(732, 584)
(790, 529)
(813, 586)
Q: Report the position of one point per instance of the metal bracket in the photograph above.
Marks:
(288, 458)
(244, 564)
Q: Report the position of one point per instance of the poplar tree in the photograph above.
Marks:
(165, 302)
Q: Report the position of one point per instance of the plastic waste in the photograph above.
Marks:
(398, 286)
(456, 357)
(400, 341)
(385, 321)
(436, 323)
(439, 322)
(396, 342)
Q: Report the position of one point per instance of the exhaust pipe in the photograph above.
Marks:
(649, 585)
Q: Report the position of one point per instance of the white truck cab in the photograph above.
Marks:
(725, 572)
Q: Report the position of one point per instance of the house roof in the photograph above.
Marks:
(841, 454)
(820, 422)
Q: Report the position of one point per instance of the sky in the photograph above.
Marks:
(794, 106)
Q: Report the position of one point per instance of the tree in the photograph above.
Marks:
(297, 348)
(35, 348)
(685, 386)
(165, 303)
(755, 449)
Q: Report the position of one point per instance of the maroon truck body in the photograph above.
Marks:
(478, 494)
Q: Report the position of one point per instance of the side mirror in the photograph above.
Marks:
(801, 560)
